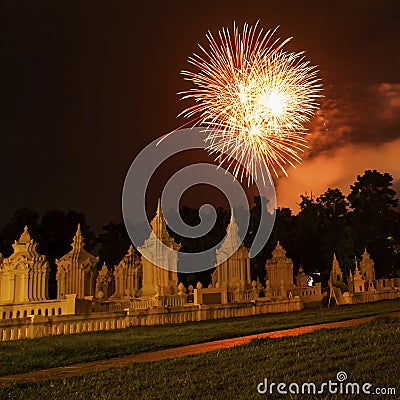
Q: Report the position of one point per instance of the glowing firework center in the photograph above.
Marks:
(254, 99)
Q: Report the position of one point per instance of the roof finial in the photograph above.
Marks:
(25, 236)
(78, 239)
(159, 209)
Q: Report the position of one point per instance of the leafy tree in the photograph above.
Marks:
(257, 264)
(334, 229)
(374, 217)
(286, 232)
(54, 235)
(113, 243)
(194, 245)
(310, 244)
(56, 231)
(321, 228)
(334, 205)
(326, 224)
(13, 228)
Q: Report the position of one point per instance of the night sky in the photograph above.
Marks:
(85, 85)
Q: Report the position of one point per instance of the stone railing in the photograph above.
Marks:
(242, 295)
(177, 300)
(40, 326)
(118, 306)
(202, 312)
(368, 297)
(385, 284)
(143, 304)
(158, 302)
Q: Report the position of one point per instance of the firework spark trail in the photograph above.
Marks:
(253, 98)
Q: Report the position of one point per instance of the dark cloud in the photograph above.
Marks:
(357, 114)
(357, 128)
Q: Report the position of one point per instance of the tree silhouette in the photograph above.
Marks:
(13, 228)
(326, 224)
(374, 218)
(113, 243)
(56, 231)
(334, 230)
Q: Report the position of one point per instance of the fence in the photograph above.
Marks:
(40, 326)
(242, 295)
(368, 297)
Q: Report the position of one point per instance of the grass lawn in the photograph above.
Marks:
(368, 353)
(32, 354)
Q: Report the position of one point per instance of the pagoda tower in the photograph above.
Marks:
(159, 265)
(279, 270)
(367, 267)
(128, 275)
(24, 276)
(358, 281)
(336, 276)
(301, 278)
(104, 283)
(76, 271)
(232, 272)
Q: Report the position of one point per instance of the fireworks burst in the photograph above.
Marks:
(254, 100)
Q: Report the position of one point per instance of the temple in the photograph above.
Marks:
(77, 270)
(24, 279)
(24, 276)
(279, 271)
(143, 288)
(128, 276)
(362, 285)
(104, 283)
(159, 280)
(233, 270)
(367, 269)
(336, 276)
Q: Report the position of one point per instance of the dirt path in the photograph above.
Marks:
(95, 366)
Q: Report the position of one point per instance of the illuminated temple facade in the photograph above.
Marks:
(77, 270)
(24, 276)
(159, 280)
(233, 267)
(144, 289)
(361, 284)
